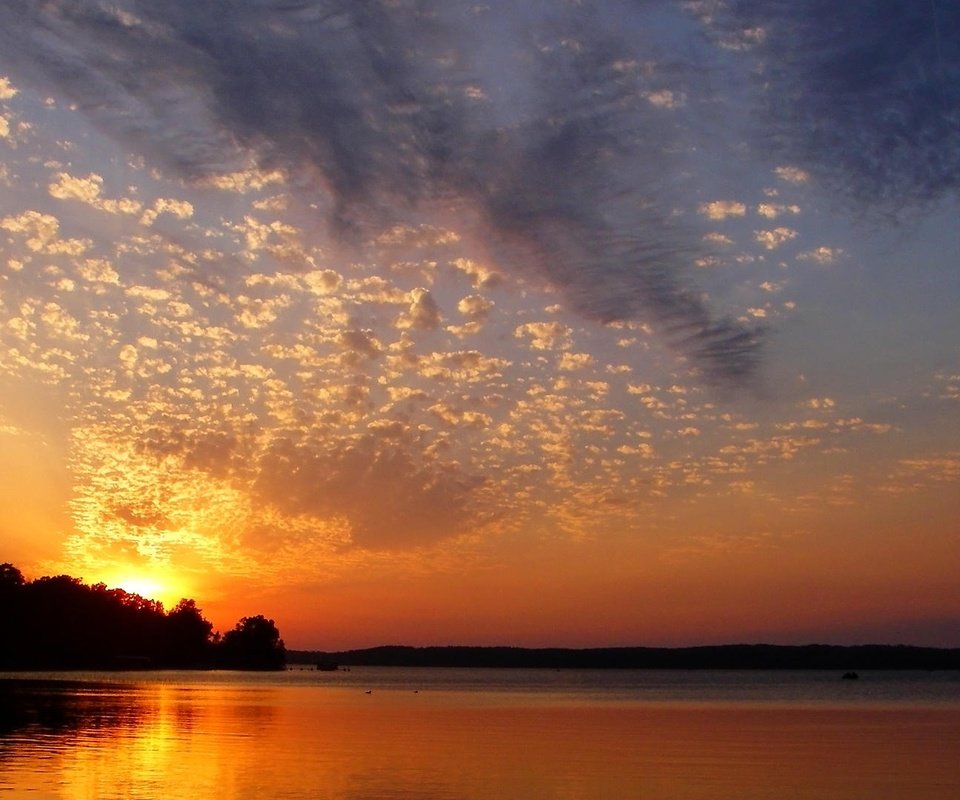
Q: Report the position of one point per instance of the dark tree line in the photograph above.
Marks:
(61, 623)
(730, 656)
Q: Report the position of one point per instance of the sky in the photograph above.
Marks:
(563, 323)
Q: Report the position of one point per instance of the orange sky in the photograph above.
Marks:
(526, 393)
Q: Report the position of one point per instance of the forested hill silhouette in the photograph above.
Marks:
(61, 623)
(737, 656)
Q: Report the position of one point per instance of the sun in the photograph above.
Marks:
(149, 586)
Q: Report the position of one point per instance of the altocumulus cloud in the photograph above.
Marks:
(535, 120)
(417, 501)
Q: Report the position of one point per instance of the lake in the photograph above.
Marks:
(445, 734)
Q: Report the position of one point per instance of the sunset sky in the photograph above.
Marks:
(559, 323)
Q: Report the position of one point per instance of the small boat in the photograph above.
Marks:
(850, 676)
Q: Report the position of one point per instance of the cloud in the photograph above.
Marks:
(180, 209)
(42, 234)
(864, 96)
(88, 190)
(772, 239)
(423, 313)
(793, 175)
(544, 335)
(475, 307)
(721, 209)
(569, 172)
(821, 255)
(481, 276)
(360, 344)
(7, 90)
(416, 502)
(573, 361)
(774, 210)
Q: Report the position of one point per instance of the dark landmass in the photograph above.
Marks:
(60, 623)
(736, 656)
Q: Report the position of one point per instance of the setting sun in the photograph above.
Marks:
(151, 587)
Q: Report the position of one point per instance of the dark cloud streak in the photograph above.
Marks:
(864, 94)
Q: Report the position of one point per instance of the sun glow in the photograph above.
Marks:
(150, 587)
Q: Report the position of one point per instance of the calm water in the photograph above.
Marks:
(484, 734)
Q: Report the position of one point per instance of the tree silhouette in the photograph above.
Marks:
(254, 643)
(189, 635)
(10, 577)
(11, 623)
(60, 623)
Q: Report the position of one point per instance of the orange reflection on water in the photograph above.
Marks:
(228, 743)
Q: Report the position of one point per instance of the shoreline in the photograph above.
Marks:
(734, 657)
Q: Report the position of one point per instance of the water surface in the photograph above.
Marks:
(438, 734)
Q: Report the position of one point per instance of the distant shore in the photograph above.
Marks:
(735, 656)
